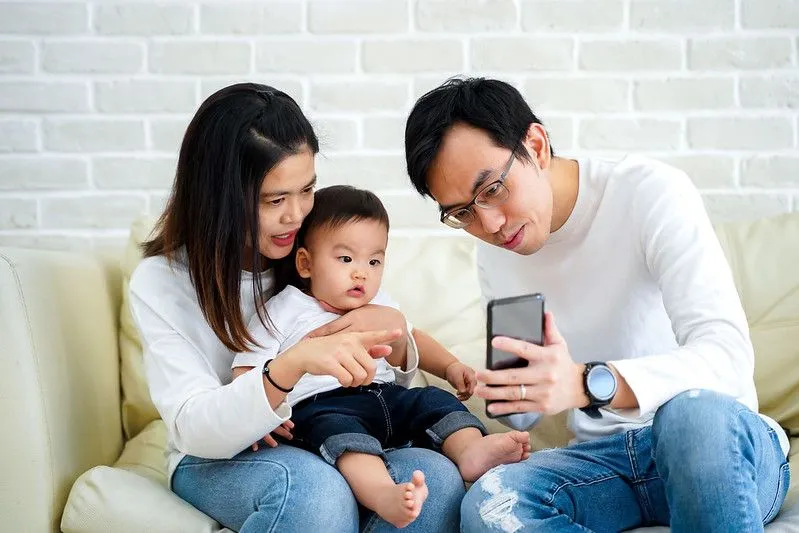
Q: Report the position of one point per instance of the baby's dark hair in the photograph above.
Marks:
(333, 207)
(337, 205)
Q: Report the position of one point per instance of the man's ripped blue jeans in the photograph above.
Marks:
(707, 463)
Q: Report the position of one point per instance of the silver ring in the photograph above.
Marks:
(522, 392)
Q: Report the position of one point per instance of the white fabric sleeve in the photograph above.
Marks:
(268, 344)
(204, 417)
(403, 377)
(685, 258)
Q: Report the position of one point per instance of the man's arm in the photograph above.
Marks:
(685, 258)
(686, 261)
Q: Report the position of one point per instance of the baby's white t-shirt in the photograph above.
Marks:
(294, 314)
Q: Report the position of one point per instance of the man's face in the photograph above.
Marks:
(522, 222)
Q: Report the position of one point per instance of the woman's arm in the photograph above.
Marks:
(382, 313)
(207, 418)
(204, 417)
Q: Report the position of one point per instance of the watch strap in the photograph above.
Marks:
(594, 403)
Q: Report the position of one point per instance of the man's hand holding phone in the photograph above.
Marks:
(550, 382)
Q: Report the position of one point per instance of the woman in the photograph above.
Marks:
(244, 183)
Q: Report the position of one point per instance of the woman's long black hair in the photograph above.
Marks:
(236, 137)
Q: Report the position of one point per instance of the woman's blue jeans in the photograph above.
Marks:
(286, 489)
(707, 463)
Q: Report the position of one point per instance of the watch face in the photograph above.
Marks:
(601, 383)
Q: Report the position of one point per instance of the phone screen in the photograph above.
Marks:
(519, 317)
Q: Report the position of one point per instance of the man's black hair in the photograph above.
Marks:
(494, 106)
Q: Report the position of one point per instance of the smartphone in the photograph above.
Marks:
(518, 317)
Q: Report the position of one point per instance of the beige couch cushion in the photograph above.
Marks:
(434, 279)
(59, 399)
(133, 497)
(137, 408)
(764, 256)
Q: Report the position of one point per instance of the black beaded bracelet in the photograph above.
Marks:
(272, 381)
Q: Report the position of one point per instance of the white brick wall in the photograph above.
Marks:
(95, 96)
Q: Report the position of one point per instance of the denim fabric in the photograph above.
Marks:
(377, 417)
(288, 490)
(707, 463)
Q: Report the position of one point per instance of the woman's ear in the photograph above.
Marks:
(302, 261)
(536, 141)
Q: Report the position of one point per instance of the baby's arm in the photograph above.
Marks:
(437, 360)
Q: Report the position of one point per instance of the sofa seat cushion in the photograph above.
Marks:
(132, 496)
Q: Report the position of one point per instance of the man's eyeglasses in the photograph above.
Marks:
(492, 195)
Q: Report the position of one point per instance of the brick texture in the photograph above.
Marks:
(95, 96)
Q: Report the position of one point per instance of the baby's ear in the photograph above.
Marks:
(302, 261)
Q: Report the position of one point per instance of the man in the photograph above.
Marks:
(658, 370)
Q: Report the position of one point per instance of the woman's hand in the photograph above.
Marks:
(367, 318)
(462, 379)
(370, 318)
(348, 357)
(552, 381)
(283, 430)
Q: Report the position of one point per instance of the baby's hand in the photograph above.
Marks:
(284, 430)
(462, 379)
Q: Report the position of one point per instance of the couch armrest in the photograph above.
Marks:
(59, 380)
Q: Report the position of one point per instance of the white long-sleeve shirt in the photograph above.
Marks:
(636, 277)
(189, 370)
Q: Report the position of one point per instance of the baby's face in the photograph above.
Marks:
(345, 264)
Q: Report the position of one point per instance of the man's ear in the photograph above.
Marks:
(302, 261)
(536, 141)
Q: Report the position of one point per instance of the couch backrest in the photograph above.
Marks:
(137, 407)
(435, 281)
(59, 391)
(764, 256)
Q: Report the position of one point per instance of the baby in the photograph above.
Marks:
(339, 267)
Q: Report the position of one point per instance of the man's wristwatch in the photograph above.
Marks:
(599, 384)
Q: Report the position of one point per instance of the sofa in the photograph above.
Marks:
(82, 445)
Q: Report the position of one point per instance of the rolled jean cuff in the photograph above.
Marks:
(335, 446)
(451, 423)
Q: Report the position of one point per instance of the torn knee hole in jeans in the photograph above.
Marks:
(498, 509)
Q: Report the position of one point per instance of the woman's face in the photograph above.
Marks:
(285, 200)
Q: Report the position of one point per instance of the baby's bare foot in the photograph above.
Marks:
(493, 450)
(400, 504)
